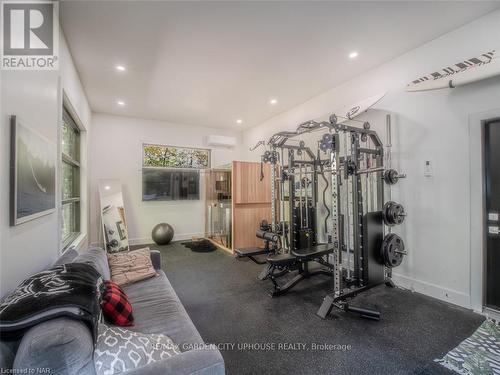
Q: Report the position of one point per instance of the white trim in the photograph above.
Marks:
(78, 244)
(432, 290)
(83, 161)
(148, 241)
(177, 237)
(72, 112)
(477, 206)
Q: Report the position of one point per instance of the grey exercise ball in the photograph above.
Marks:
(162, 233)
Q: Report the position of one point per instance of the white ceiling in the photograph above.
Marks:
(210, 63)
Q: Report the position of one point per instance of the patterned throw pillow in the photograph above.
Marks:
(127, 267)
(115, 305)
(119, 350)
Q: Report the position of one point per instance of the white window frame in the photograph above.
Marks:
(81, 239)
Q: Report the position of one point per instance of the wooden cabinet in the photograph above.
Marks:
(247, 185)
(251, 199)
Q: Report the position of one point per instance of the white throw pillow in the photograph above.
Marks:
(119, 350)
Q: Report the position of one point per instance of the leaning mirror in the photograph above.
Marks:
(114, 225)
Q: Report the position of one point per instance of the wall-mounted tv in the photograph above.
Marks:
(162, 184)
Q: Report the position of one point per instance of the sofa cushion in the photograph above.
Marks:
(157, 309)
(131, 266)
(203, 361)
(64, 345)
(119, 350)
(116, 306)
(7, 354)
(98, 259)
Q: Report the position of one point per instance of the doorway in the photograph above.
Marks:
(492, 212)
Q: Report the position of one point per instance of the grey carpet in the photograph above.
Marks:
(228, 304)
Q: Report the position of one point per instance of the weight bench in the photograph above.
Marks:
(269, 237)
(281, 264)
(251, 252)
(313, 252)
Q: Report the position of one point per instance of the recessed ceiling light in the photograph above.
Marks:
(273, 101)
(120, 103)
(353, 55)
(121, 68)
(107, 187)
(239, 121)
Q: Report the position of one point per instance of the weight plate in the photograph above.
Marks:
(327, 137)
(393, 250)
(326, 142)
(391, 176)
(393, 213)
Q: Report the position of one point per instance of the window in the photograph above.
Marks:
(70, 179)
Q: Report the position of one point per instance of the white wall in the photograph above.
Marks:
(426, 126)
(117, 153)
(35, 97)
(26, 248)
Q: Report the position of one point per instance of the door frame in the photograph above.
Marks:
(477, 208)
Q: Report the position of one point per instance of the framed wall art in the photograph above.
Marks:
(32, 174)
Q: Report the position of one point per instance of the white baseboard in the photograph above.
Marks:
(177, 237)
(148, 240)
(432, 290)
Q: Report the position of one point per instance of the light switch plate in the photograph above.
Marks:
(428, 168)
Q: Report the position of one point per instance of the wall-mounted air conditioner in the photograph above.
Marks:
(221, 141)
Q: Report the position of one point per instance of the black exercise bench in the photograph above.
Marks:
(269, 238)
(251, 252)
(281, 264)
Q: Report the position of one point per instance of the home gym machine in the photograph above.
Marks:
(342, 229)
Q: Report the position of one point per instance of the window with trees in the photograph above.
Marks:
(70, 179)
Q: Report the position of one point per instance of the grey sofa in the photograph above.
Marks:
(65, 345)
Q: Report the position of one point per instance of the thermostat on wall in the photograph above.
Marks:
(428, 168)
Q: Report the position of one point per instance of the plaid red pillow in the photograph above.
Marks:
(115, 305)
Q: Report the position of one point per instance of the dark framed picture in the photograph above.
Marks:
(32, 174)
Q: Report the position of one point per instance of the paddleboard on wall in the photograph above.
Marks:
(354, 110)
(475, 69)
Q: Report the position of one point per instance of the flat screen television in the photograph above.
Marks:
(162, 184)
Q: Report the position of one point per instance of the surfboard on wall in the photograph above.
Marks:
(475, 69)
(354, 110)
